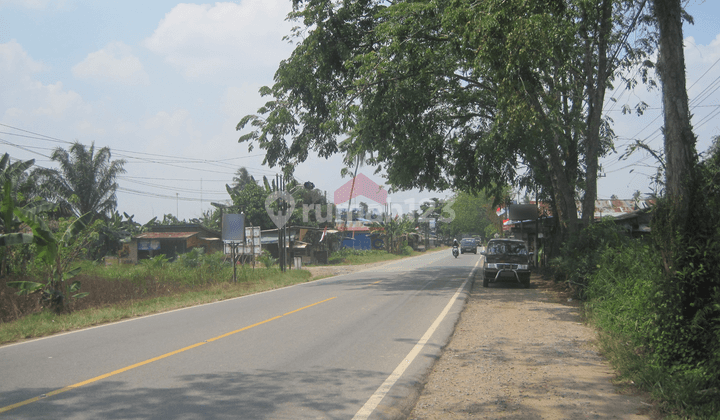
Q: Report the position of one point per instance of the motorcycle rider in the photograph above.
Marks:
(456, 243)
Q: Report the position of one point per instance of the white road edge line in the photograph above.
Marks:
(380, 393)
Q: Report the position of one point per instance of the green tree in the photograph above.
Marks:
(16, 173)
(685, 226)
(210, 219)
(241, 179)
(14, 206)
(86, 181)
(680, 153)
(58, 252)
(251, 201)
(10, 222)
(430, 93)
(473, 214)
(396, 231)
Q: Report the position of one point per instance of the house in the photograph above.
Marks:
(634, 216)
(303, 242)
(359, 234)
(171, 241)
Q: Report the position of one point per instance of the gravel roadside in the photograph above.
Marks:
(520, 354)
(523, 354)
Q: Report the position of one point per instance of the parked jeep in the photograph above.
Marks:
(506, 260)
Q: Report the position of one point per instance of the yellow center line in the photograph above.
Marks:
(154, 359)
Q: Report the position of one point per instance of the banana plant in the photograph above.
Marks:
(10, 236)
(395, 230)
(57, 289)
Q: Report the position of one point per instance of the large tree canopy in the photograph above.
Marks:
(451, 95)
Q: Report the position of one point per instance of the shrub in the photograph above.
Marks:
(157, 262)
(267, 260)
(192, 258)
(648, 336)
(580, 254)
(620, 291)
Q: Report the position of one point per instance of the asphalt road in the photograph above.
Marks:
(347, 347)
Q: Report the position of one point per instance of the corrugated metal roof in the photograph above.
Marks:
(617, 208)
(166, 235)
(606, 207)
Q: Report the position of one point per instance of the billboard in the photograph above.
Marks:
(233, 227)
(523, 212)
(250, 245)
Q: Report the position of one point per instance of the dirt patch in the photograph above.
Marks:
(319, 272)
(523, 354)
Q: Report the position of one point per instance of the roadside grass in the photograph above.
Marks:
(675, 395)
(619, 306)
(120, 292)
(171, 295)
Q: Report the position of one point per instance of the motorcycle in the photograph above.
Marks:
(455, 252)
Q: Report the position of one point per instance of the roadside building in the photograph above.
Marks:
(171, 241)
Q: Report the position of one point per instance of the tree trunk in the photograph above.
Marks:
(561, 172)
(596, 96)
(564, 192)
(680, 151)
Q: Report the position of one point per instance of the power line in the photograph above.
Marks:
(48, 138)
(657, 108)
(27, 149)
(155, 195)
(180, 189)
(172, 179)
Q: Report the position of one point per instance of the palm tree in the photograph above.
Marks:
(241, 179)
(85, 182)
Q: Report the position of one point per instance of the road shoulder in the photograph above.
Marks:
(523, 354)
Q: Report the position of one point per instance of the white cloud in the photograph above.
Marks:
(89, 129)
(171, 133)
(207, 40)
(173, 124)
(13, 59)
(113, 63)
(25, 98)
(54, 101)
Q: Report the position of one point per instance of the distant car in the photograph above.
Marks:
(506, 260)
(468, 245)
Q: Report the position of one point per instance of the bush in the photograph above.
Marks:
(157, 262)
(267, 260)
(580, 255)
(627, 302)
(191, 259)
(358, 256)
(620, 291)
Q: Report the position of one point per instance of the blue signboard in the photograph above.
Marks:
(233, 227)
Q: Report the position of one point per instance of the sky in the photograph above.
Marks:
(163, 85)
